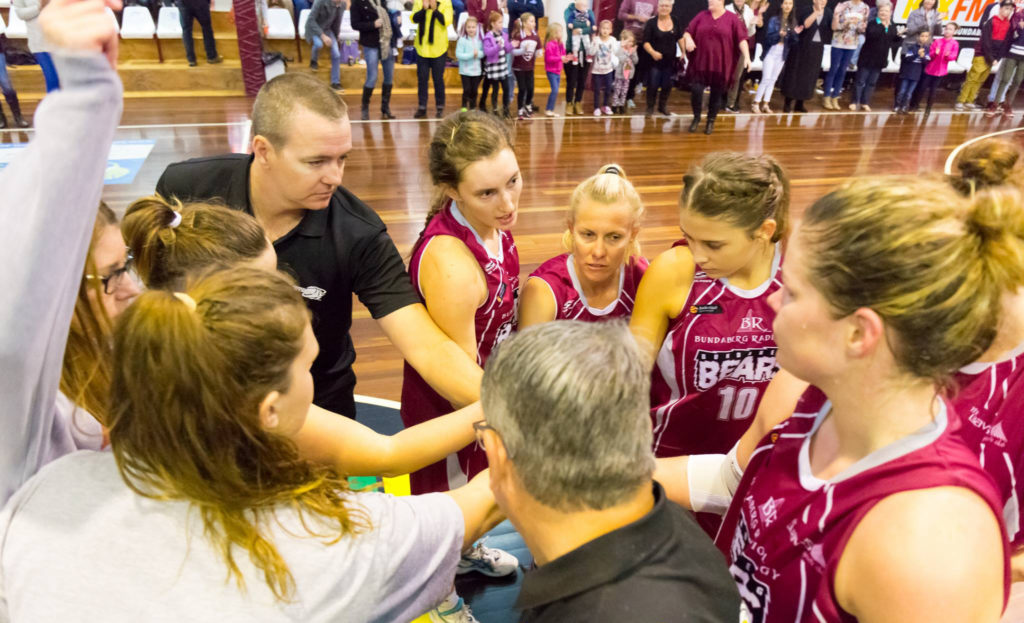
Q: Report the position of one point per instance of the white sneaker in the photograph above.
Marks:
(607, 111)
(488, 560)
(549, 113)
(959, 107)
(597, 112)
(452, 610)
(630, 104)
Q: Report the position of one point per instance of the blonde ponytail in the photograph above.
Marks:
(609, 185)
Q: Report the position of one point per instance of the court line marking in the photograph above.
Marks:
(379, 402)
(952, 156)
(542, 118)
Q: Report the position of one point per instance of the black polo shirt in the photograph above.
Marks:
(661, 568)
(333, 253)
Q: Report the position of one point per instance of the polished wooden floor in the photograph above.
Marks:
(387, 168)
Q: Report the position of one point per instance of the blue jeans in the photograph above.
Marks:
(866, 81)
(49, 71)
(906, 90)
(555, 80)
(300, 5)
(5, 79)
(856, 53)
(837, 72)
(602, 84)
(372, 56)
(335, 56)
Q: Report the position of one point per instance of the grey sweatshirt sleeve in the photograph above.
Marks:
(50, 195)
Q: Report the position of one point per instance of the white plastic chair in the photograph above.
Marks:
(346, 32)
(462, 21)
(453, 35)
(963, 61)
(303, 18)
(16, 28)
(826, 58)
(895, 59)
(113, 18)
(279, 24)
(3, 26)
(168, 23)
(409, 27)
(137, 23)
(5, 4)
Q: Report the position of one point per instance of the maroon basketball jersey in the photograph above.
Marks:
(990, 404)
(716, 360)
(786, 529)
(495, 321)
(570, 303)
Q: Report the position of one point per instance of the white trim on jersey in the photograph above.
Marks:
(803, 593)
(980, 366)
(817, 613)
(1011, 511)
(570, 265)
(461, 220)
(922, 437)
(829, 491)
(759, 290)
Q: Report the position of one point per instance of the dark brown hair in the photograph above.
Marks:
(989, 162)
(743, 190)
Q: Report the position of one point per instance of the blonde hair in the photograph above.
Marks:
(276, 101)
(608, 186)
(989, 162)
(554, 32)
(86, 368)
(184, 418)
(465, 25)
(171, 240)
(627, 34)
(931, 263)
(741, 189)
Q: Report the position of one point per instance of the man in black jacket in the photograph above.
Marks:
(322, 28)
(330, 241)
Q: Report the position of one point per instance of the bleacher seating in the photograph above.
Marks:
(963, 62)
(346, 32)
(303, 17)
(279, 24)
(168, 23)
(137, 23)
(16, 28)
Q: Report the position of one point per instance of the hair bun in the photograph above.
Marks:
(996, 217)
(613, 169)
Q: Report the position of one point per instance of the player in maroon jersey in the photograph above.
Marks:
(598, 278)
(702, 312)
(465, 265)
(866, 504)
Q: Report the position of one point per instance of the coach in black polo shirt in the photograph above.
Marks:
(333, 243)
(568, 439)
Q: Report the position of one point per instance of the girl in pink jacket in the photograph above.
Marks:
(944, 51)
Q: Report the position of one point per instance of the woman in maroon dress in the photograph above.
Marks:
(712, 42)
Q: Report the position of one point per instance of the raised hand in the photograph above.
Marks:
(77, 26)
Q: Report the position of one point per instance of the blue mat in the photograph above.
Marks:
(492, 599)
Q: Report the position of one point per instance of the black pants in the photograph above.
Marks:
(714, 100)
(470, 84)
(199, 11)
(490, 84)
(927, 87)
(427, 68)
(575, 82)
(659, 85)
(524, 78)
(602, 84)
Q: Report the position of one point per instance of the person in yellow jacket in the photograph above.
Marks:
(431, 41)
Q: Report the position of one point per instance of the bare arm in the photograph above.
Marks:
(356, 450)
(537, 304)
(660, 297)
(745, 51)
(444, 364)
(479, 509)
(932, 555)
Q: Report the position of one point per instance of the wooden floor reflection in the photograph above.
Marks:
(387, 169)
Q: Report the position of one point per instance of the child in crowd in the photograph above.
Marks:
(625, 69)
(915, 57)
(943, 52)
(554, 56)
(469, 50)
(603, 49)
(497, 47)
(524, 57)
(576, 71)
(579, 15)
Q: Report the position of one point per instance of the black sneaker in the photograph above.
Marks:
(216, 60)
(732, 109)
(421, 113)
(314, 65)
(192, 63)
(337, 87)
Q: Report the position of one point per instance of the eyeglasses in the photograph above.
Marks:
(479, 427)
(112, 281)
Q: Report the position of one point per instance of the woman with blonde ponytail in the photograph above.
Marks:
(598, 277)
(205, 508)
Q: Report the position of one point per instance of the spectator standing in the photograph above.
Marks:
(625, 71)
(524, 61)
(576, 71)
(578, 15)
(848, 23)
(881, 37)
(9, 94)
(431, 43)
(1011, 71)
(376, 34)
(800, 75)
(322, 27)
(714, 40)
(780, 37)
(198, 10)
(634, 15)
(516, 8)
(915, 58)
(943, 51)
(663, 36)
(469, 51)
(554, 56)
(989, 49)
(603, 49)
(752, 20)
(497, 47)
